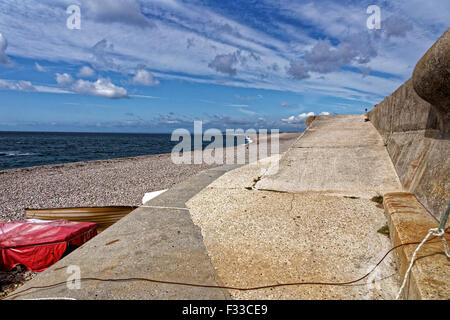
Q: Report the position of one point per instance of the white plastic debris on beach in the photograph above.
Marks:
(150, 195)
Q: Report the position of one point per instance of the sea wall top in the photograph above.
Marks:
(431, 77)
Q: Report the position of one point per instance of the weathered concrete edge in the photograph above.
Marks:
(409, 222)
(173, 198)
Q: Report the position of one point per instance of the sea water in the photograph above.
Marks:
(26, 149)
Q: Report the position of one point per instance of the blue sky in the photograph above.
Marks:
(153, 66)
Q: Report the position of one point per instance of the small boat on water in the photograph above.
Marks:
(104, 217)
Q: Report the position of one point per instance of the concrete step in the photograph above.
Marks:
(410, 222)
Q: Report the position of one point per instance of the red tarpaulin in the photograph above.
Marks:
(38, 244)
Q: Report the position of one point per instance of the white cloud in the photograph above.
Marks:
(300, 119)
(248, 98)
(27, 86)
(101, 88)
(118, 11)
(324, 58)
(20, 85)
(102, 51)
(163, 49)
(190, 42)
(285, 104)
(86, 72)
(249, 112)
(298, 70)
(39, 67)
(4, 60)
(144, 96)
(144, 78)
(64, 79)
(395, 27)
(224, 63)
(237, 105)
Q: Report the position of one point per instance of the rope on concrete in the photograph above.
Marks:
(442, 227)
(435, 232)
(447, 251)
(20, 293)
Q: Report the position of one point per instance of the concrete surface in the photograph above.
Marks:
(304, 216)
(158, 241)
(256, 237)
(338, 154)
(414, 122)
(410, 222)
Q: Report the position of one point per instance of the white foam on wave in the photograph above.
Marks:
(16, 154)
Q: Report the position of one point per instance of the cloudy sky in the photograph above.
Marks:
(156, 65)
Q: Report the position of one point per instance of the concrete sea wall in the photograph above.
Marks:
(414, 123)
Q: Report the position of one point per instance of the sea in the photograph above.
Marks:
(27, 149)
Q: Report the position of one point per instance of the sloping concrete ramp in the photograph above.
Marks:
(339, 154)
(310, 221)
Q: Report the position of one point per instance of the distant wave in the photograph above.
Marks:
(16, 154)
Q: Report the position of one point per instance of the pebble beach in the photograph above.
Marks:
(110, 182)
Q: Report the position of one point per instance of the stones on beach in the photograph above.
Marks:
(11, 280)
